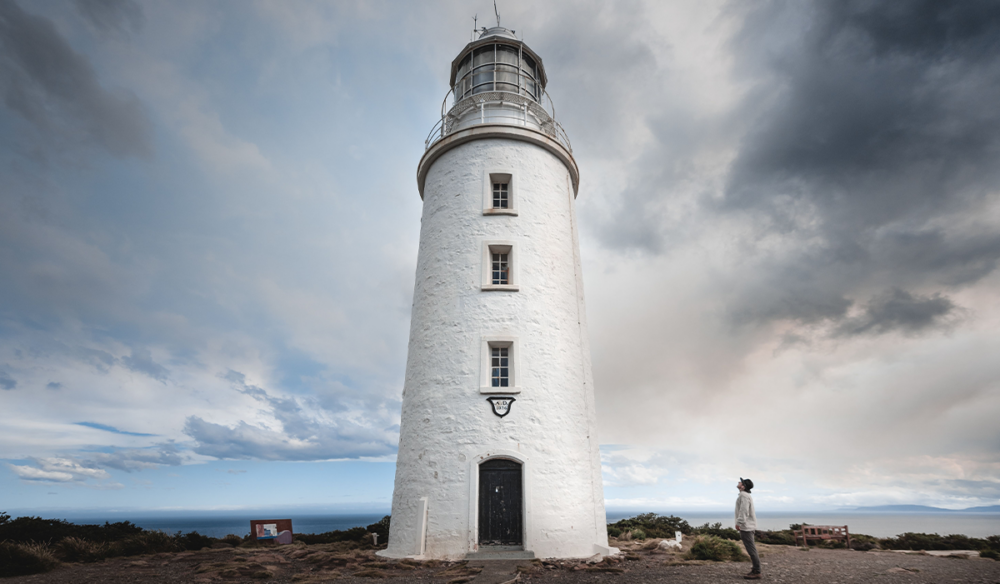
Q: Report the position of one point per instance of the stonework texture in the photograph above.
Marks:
(447, 426)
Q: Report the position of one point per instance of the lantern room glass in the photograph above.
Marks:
(497, 67)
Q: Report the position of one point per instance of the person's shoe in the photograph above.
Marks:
(752, 576)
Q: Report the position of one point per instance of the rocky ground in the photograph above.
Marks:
(639, 562)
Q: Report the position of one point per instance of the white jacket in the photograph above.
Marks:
(746, 518)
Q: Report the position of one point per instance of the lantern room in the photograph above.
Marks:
(497, 79)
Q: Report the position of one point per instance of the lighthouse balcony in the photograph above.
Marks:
(498, 108)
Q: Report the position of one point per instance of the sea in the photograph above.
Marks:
(874, 524)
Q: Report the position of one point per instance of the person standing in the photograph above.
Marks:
(746, 524)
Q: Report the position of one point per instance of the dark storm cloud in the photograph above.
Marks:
(57, 90)
(870, 150)
(878, 140)
(112, 16)
(141, 361)
(302, 437)
(898, 310)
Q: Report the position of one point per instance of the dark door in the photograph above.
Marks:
(500, 503)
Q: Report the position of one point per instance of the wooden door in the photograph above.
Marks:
(500, 503)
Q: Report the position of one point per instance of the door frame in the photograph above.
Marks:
(474, 494)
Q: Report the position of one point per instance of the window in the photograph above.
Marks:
(500, 365)
(499, 194)
(499, 266)
(500, 199)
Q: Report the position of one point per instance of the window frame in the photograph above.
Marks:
(503, 177)
(510, 248)
(514, 360)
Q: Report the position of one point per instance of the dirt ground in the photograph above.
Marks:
(637, 563)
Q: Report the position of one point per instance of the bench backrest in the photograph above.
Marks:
(824, 531)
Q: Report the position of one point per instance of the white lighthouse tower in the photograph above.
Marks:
(498, 447)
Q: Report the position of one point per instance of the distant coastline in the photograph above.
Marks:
(918, 509)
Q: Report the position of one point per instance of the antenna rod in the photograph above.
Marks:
(497, 12)
(475, 25)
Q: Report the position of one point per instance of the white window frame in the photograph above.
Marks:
(508, 247)
(515, 362)
(501, 176)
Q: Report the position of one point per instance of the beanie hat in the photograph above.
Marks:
(747, 484)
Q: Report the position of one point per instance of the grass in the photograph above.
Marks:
(21, 559)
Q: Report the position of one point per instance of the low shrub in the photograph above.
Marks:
(933, 541)
(74, 549)
(638, 534)
(31, 529)
(991, 554)
(21, 559)
(147, 542)
(779, 537)
(232, 539)
(717, 530)
(193, 541)
(715, 549)
(652, 525)
(863, 542)
(353, 534)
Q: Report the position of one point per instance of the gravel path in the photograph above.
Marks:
(330, 563)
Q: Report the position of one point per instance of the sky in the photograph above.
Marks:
(789, 223)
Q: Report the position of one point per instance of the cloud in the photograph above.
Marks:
(82, 468)
(112, 16)
(53, 385)
(56, 89)
(306, 431)
(134, 459)
(112, 429)
(6, 381)
(141, 361)
(61, 470)
(898, 310)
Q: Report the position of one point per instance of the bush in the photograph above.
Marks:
(638, 533)
(715, 549)
(717, 530)
(232, 539)
(147, 542)
(20, 559)
(780, 537)
(30, 529)
(652, 525)
(993, 555)
(863, 542)
(193, 541)
(933, 541)
(74, 549)
(353, 534)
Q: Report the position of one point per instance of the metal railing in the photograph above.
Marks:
(498, 107)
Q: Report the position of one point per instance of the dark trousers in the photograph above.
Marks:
(751, 549)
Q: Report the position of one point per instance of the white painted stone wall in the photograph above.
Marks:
(447, 426)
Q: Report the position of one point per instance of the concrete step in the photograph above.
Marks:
(495, 555)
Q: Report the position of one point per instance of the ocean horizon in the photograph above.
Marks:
(222, 523)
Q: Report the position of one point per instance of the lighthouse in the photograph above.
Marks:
(498, 449)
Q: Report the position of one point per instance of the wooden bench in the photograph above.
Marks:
(822, 533)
